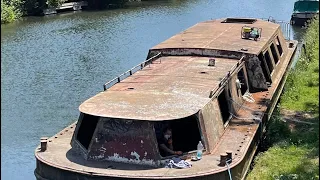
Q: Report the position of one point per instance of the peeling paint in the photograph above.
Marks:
(135, 154)
(117, 158)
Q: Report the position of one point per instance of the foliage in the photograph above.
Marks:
(55, 3)
(10, 11)
(294, 153)
(302, 85)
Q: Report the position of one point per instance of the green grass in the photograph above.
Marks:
(295, 154)
(302, 86)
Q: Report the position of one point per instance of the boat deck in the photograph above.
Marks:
(222, 36)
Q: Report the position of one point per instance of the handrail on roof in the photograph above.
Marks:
(284, 25)
(223, 80)
(131, 71)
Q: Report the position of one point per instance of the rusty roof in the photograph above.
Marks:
(224, 36)
(170, 88)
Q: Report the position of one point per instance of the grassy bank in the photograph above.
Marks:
(294, 151)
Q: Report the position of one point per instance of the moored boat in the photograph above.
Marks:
(216, 82)
(304, 11)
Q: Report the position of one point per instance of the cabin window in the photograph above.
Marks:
(86, 129)
(243, 81)
(185, 135)
(268, 61)
(224, 107)
(264, 67)
(274, 53)
(279, 46)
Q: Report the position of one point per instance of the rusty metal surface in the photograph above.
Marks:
(125, 141)
(170, 88)
(223, 36)
(239, 137)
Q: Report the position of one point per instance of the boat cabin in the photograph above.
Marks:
(194, 83)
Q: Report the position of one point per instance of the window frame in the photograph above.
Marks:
(275, 53)
(271, 60)
(225, 92)
(265, 67)
(277, 40)
(81, 119)
(189, 152)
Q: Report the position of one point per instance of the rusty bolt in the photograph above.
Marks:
(229, 155)
(223, 159)
(212, 62)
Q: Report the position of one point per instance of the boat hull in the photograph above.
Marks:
(45, 171)
(300, 19)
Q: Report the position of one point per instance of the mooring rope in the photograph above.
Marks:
(229, 171)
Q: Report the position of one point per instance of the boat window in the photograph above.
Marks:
(274, 53)
(86, 129)
(268, 61)
(185, 135)
(243, 81)
(265, 68)
(224, 107)
(279, 46)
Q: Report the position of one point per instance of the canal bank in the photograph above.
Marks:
(291, 146)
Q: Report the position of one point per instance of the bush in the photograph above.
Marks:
(10, 11)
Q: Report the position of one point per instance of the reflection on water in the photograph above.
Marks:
(49, 65)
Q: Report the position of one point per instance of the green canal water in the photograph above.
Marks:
(50, 65)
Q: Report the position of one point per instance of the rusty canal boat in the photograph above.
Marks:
(217, 82)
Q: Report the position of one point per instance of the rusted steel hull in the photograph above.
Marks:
(44, 171)
(123, 151)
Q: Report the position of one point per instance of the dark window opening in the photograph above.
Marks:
(268, 61)
(239, 20)
(224, 107)
(86, 129)
(185, 134)
(265, 68)
(274, 53)
(279, 46)
(243, 81)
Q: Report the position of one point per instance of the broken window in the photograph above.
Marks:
(184, 135)
(86, 129)
(265, 68)
(274, 53)
(243, 81)
(224, 106)
(279, 46)
(268, 61)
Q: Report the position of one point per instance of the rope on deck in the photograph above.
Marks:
(229, 171)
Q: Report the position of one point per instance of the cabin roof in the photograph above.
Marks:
(172, 87)
(214, 34)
